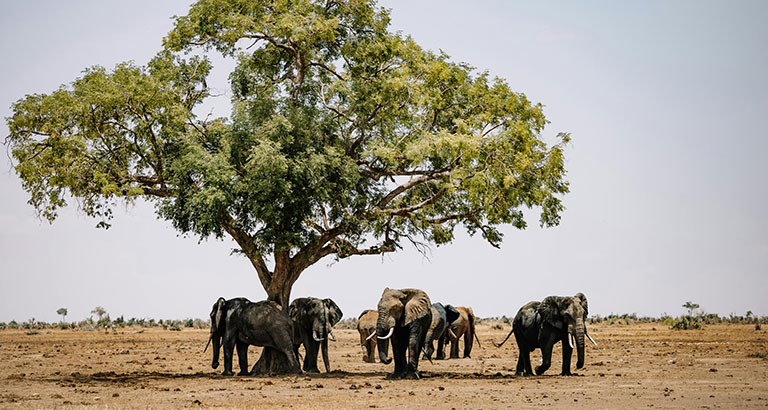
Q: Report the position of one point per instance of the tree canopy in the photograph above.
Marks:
(345, 139)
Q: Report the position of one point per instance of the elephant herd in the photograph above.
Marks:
(406, 319)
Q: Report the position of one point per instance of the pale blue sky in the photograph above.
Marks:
(666, 102)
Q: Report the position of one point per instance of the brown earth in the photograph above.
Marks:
(634, 366)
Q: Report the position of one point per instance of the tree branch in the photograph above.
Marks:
(246, 243)
(408, 210)
(379, 208)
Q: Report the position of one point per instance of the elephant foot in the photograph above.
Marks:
(227, 373)
(412, 375)
(311, 371)
(244, 373)
(395, 376)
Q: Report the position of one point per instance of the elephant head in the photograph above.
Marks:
(569, 314)
(398, 308)
(218, 316)
(451, 314)
(320, 315)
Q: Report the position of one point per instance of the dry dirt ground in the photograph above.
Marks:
(634, 366)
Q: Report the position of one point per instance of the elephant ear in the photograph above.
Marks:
(297, 308)
(549, 309)
(417, 305)
(334, 311)
(451, 314)
(219, 311)
(584, 304)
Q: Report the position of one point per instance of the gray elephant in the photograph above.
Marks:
(542, 324)
(313, 319)
(404, 318)
(442, 316)
(240, 322)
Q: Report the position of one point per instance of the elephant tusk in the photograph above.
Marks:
(570, 340)
(208, 344)
(453, 335)
(331, 336)
(317, 339)
(590, 338)
(370, 336)
(391, 330)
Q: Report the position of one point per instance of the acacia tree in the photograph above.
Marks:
(344, 139)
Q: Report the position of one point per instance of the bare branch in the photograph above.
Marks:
(379, 208)
(409, 210)
(326, 68)
(246, 243)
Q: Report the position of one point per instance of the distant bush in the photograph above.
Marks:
(686, 323)
(348, 323)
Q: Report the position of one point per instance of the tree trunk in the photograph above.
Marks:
(273, 361)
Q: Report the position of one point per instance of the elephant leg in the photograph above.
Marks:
(523, 357)
(547, 344)
(310, 356)
(567, 352)
(399, 345)
(310, 353)
(455, 347)
(528, 368)
(364, 345)
(371, 347)
(415, 345)
(520, 369)
(469, 339)
(242, 357)
(229, 348)
(293, 358)
(441, 347)
(429, 348)
(324, 347)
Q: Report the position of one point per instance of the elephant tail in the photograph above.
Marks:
(505, 339)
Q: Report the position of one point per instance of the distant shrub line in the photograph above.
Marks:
(106, 323)
(683, 322)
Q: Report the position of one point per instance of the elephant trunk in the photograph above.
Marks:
(385, 327)
(383, 347)
(216, 347)
(578, 334)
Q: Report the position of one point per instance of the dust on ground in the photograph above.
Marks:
(634, 366)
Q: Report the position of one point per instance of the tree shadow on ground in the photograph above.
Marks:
(142, 377)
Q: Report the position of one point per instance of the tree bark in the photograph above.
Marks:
(278, 290)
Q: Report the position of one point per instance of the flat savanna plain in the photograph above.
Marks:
(634, 366)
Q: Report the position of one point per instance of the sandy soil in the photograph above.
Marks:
(634, 366)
